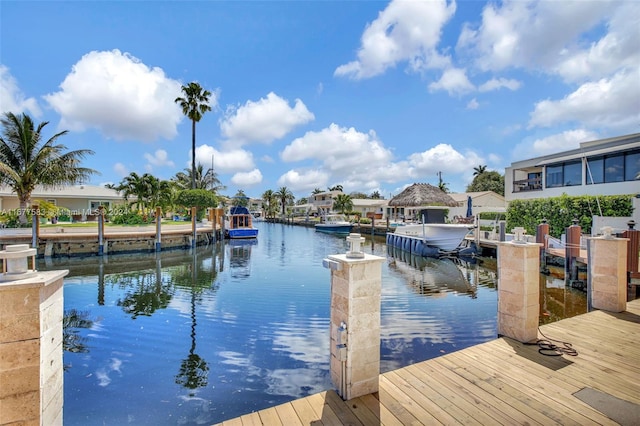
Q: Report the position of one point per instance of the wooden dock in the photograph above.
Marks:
(501, 382)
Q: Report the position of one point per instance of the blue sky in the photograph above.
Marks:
(370, 95)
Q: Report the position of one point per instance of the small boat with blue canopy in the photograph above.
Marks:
(239, 224)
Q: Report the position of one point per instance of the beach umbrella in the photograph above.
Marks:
(469, 207)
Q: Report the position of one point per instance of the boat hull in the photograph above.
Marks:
(334, 229)
(242, 233)
(443, 236)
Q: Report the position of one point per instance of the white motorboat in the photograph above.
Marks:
(444, 236)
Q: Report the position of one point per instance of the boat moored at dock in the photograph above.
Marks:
(239, 224)
(429, 239)
(334, 224)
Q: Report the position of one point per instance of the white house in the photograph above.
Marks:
(482, 201)
(601, 167)
(82, 200)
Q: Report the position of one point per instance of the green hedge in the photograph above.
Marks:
(560, 211)
(493, 216)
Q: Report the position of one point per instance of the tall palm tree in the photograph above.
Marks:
(27, 161)
(285, 196)
(477, 171)
(194, 104)
(343, 203)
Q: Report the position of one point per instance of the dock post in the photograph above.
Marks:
(356, 286)
(100, 230)
(35, 221)
(158, 229)
(542, 233)
(31, 367)
(518, 288)
(607, 272)
(572, 251)
(633, 247)
(193, 227)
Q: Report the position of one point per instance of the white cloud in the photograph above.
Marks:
(160, 158)
(120, 169)
(304, 180)
(263, 121)
(531, 34)
(247, 178)
(473, 104)
(443, 158)
(11, 97)
(341, 150)
(454, 81)
(232, 161)
(610, 103)
(564, 141)
(499, 83)
(406, 31)
(120, 96)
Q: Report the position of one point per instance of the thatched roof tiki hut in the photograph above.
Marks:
(422, 196)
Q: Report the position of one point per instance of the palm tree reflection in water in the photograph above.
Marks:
(194, 371)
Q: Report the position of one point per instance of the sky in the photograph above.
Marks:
(370, 95)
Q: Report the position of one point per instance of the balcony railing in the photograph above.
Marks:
(527, 185)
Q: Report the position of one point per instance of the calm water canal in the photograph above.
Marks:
(197, 337)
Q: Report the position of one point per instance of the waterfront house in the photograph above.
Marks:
(601, 167)
(322, 202)
(482, 201)
(82, 200)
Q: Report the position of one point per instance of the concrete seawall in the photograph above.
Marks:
(68, 241)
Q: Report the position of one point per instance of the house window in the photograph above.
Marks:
(573, 173)
(595, 170)
(564, 174)
(614, 168)
(632, 166)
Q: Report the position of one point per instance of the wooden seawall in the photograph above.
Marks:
(501, 382)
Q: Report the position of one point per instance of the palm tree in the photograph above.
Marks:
(477, 171)
(194, 105)
(285, 196)
(375, 195)
(316, 191)
(203, 180)
(269, 203)
(343, 203)
(25, 161)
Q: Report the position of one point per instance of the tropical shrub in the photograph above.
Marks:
(199, 198)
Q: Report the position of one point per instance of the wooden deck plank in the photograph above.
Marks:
(305, 412)
(270, 416)
(252, 419)
(556, 397)
(475, 397)
(394, 386)
(518, 410)
(287, 415)
(498, 382)
(588, 367)
(421, 396)
(322, 409)
(387, 418)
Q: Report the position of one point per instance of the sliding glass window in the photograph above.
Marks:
(564, 174)
(632, 166)
(619, 167)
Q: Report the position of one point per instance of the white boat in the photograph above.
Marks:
(443, 236)
(334, 224)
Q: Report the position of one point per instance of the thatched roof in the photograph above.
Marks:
(422, 194)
